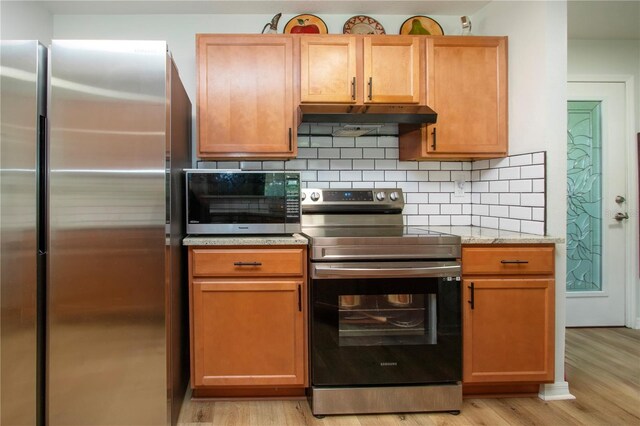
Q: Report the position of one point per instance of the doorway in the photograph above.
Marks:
(597, 204)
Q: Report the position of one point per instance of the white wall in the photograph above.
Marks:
(612, 59)
(25, 20)
(537, 117)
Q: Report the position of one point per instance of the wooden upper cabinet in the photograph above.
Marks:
(467, 88)
(245, 96)
(392, 70)
(328, 69)
(361, 70)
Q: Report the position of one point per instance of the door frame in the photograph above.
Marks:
(632, 280)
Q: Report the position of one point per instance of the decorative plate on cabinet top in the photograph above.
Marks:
(421, 25)
(361, 24)
(305, 24)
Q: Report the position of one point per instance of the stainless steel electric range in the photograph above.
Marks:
(385, 306)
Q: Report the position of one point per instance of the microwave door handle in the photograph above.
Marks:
(430, 271)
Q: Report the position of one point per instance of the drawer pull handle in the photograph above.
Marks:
(518, 262)
(472, 302)
(299, 298)
(247, 263)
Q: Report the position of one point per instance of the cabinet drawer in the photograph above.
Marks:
(513, 260)
(247, 262)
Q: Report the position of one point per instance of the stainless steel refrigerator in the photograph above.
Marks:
(108, 342)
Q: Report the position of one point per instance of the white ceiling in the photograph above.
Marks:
(587, 19)
(387, 7)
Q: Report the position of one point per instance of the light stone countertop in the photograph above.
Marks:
(248, 240)
(478, 235)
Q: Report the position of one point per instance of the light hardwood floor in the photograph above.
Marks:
(602, 368)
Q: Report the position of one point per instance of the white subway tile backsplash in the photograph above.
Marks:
(340, 164)
(418, 220)
(520, 212)
(391, 153)
(520, 160)
(437, 176)
(318, 164)
(439, 220)
(534, 199)
(321, 141)
(429, 209)
(351, 176)
(329, 176)
(273, 165)
(532, 172)
(509, 225)
(499, 211)
(351, 153)
(532, 227)
(505, 193)
(343, 142)
(523, 185)
(294, 165)
(489, 174)
(499, 162)
(373, 152)
(387, 141)
(450, 165)
(308, 153)
(367, 142)
(328, 153)
(429, 165)
(509, 199)
(396, 175)
(439, 198)
(386, 164)
(509, 173)
(364, 164)
(499, 186)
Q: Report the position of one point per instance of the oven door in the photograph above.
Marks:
(385, 323)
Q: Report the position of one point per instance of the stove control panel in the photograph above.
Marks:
(390, 198)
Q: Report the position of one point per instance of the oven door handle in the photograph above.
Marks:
(430, 271)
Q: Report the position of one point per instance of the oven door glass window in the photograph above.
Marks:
(387, 319)
(377, 331)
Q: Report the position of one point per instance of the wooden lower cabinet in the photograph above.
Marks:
(508, 317)
(248, 332)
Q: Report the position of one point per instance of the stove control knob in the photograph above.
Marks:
(315, 196)
(380, 196)
(393, 196)
(303, 196)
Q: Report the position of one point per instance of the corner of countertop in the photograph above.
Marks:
(245, 240)
(480, 235)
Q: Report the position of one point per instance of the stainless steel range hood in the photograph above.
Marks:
(378, 114)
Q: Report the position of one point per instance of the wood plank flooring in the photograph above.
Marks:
(602, 368)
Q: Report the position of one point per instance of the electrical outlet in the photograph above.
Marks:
(459, 184)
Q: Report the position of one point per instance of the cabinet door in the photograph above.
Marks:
(245, 96)
(392, 70)
(248, 333)
(467, 87)
(328, 69)
(508, 330)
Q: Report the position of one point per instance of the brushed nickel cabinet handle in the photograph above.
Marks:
(247, 263)
(370, 84)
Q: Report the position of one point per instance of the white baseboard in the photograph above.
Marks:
(637, 324)
(555, 391)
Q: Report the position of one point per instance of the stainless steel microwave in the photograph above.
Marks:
(242, 202)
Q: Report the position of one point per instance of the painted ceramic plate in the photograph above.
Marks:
(362, 25)
(305, 24)
(417, 25)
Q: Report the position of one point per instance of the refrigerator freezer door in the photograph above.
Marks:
(22, 100)
(107, 358)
